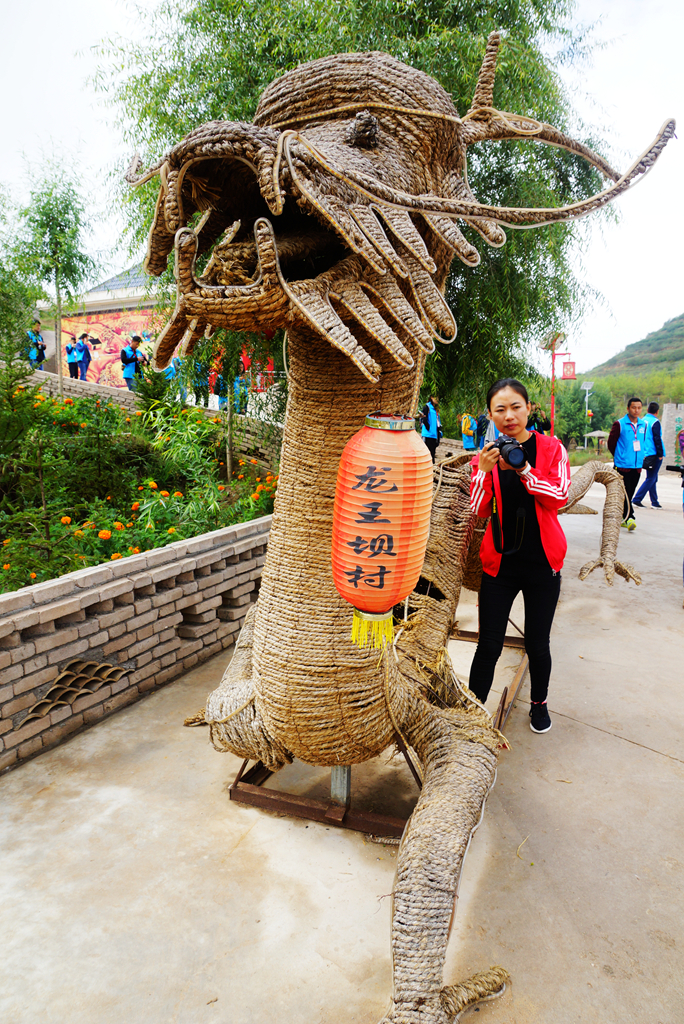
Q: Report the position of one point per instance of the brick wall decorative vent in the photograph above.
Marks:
(78, 678)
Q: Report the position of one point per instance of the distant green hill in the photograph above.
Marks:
(663, 350)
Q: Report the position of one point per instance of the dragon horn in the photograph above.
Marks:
(484, 90)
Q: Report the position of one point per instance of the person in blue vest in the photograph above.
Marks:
(431, 424)
(469, 431)
(626, 442)
(654, 453)
(83, 357)
(132, 360)
(36, 346)
(72, 358)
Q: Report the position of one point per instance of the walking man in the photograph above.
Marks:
(654, 453)
(626, 442)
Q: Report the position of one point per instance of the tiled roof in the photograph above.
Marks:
(134, 277)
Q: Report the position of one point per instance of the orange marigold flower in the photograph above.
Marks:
(253, 461)
(36, 405)
(119, 526)
(141, 488)
(164, 494)
(258, 479)
(254, 497)
(68, 401)
(128, 419)
(135, 506)
(83, 424)
(241, 462)
(171, 529)
(115, 555)
(6, 542)
(150, 526)
(129, 525)
(136, 551)
(131, 550)
(6, 565)
(109, 497)
(138, 414)
(153, 485)
(178, 494)
(33, 575)
(66, 520)
(104, 534)
(79, 533)
(221, 463)
(241, 476)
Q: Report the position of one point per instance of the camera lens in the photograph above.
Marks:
(515, 457)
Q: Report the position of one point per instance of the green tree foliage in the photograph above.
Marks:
(210, 59)
(571, 417)
(51, 244)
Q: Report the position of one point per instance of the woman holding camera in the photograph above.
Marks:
(520, 480)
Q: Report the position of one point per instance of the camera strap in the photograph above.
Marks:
(519, 530)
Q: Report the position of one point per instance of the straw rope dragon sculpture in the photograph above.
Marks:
(334, 215)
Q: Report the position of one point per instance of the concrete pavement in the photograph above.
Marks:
(133, 891)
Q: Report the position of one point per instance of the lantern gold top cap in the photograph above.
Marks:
(385, 421)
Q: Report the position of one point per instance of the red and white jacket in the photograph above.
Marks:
(548, 483)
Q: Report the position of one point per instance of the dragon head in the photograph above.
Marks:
(338, 208)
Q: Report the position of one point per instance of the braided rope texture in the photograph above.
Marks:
(334, 216)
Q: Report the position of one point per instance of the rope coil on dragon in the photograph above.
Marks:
(335, 215)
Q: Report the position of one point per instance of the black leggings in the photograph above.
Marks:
(540, 588)
(432, 445)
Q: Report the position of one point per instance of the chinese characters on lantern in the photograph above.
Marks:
(375, 479)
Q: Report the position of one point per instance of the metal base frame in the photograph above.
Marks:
(247, 789)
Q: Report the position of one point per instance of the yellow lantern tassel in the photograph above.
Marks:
(372, 630)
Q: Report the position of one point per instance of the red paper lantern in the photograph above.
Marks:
(381, 522)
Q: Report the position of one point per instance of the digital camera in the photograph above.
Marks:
(511, 450)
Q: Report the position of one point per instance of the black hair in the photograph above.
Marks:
(506, 382)
(653, 408)
(634, 399)
(136, 337)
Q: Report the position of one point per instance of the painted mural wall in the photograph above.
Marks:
(113, 331)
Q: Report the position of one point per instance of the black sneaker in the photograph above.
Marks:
(539, 717)
(638, 504)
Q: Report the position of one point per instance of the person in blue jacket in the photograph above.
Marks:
(72, 358)
(626, 442)
(431, 425)
(83, 357)
(36, 346)
(469, 431)
(132, 360)
(654, 453)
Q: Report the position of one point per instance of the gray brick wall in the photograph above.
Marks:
(153, 615)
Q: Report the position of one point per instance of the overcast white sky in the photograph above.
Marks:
(634, 84)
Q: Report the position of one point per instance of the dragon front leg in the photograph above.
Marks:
(596, 472)
(234, 719)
